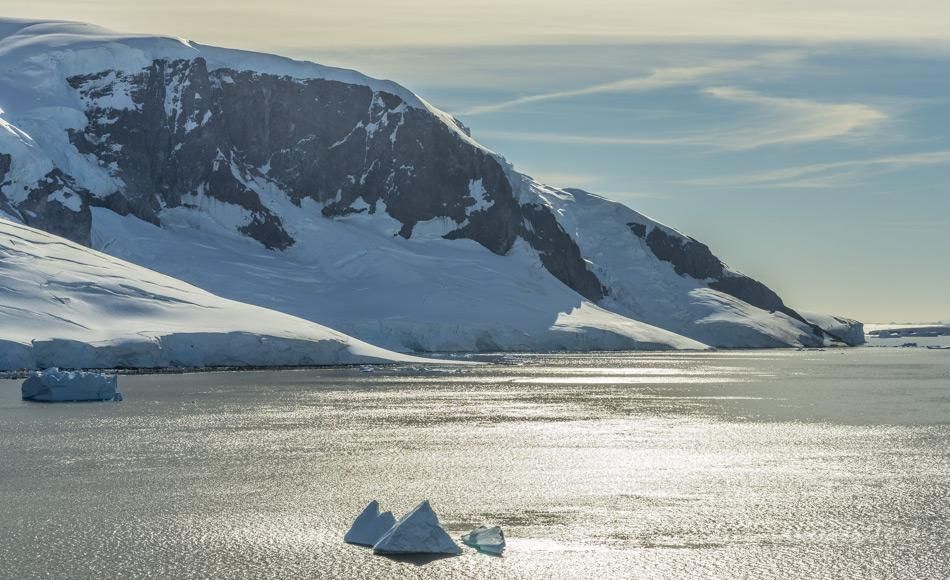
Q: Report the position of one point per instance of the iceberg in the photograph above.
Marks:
(484, 539)
(53, 385)
(417, 532)
(369, 526)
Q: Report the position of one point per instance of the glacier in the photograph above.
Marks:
(338, 200)
(66, 305)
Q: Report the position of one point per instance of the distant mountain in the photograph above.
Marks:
(899, 330)
(347, 201)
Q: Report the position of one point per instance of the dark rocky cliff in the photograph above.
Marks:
(192, 131)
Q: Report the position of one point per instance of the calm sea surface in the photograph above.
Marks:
(733, 464)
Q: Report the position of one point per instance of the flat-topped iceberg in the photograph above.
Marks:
(484, 539)
(417, 532)
(369, 526)
(53, 385)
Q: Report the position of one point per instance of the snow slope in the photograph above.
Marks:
(355, 275)
(62, 304)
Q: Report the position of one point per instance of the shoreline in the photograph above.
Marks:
(23, 373)
(492, 358)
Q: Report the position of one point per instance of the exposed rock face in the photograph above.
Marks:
(176, 134)
(689, 257)
(559, 254)
(5, 161)
(56, 205)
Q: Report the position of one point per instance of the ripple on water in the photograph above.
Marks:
(777, 464)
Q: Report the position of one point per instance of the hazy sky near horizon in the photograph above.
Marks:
(807, 142)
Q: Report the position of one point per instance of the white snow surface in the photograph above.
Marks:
(62, 304)
(369, 526)
(417, 532)
(54, 385)
(355, 275)
(73, 48)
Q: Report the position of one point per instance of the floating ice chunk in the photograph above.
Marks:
(54, 385)
(417, 532)
(369, 526)
(484, 539)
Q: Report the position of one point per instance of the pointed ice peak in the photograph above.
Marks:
(484, 539)
(417, 532)
(369, 526)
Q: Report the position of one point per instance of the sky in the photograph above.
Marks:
(806, 142)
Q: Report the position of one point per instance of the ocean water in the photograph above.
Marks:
(761, 464)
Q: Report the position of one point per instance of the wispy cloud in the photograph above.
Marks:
(790, 120)
(575, 139)
(771, 121)
(658, 78)
(564, 179)
(828, 174)
(631, 195)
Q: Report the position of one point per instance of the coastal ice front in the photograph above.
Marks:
(53, 385)
(65, 305)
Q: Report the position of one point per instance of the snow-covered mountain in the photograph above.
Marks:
(346, 201)
(62, 304)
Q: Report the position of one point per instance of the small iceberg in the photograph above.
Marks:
(369, 526)
(417, 532)
(53, 386)
(484, 539)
